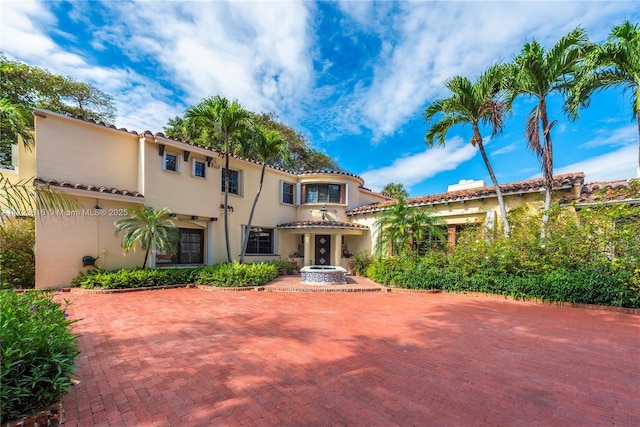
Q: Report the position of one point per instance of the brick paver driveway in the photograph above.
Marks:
(188, 357)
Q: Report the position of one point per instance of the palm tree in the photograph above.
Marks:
(471, 104)
(154, 230)
(395, 190)
(267, 146)
(400, 226)
(23, 197)
(229, 119)
(15, 121)
(616, 63)
(537, 73)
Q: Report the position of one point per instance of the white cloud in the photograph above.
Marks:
(620, 136)
(418, 167)
(619, 164)
(506, 149)
(436, 40)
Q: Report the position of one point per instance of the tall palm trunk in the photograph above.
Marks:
(547, 164)
(226, 196)
(146, 256)
(253, 208)
(638, 120)
(503, 209)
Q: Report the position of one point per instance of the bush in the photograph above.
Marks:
(588, 257)
(236, 274)
(38, 352)
(137, 278)
(17, 259)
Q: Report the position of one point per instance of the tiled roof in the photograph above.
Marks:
(322, 224)
(532, 185)
(621, 190)
(330, 172)
(94, 188)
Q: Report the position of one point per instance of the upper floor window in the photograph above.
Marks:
(234, 180)
(323, 193)
(199, 168)
(171, 162)
(287, 193)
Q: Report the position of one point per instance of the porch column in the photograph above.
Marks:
(337, 250)
(451, 235)
(307, 249)
(210, 243)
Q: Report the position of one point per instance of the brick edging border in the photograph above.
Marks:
(383, 289)
(123, 290)
(540, 301)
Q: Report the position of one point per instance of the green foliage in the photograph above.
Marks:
(15, 120)
(590, 256)
(302, 155)
(17, 259)
(402, 227)
(395, 190)
(37, 355)
(235, 274)
(152, 229)
(34, 87)
(362, 259)
(137, 278)
(281, 265)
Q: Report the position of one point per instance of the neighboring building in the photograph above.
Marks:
(315, 217)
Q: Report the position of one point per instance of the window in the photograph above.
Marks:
(322, 193)
(261, 241)
(190, 249)
(234, 180)
(170, 162)
(287, 193)
(199, 168)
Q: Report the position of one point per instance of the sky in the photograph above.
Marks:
(353, 77)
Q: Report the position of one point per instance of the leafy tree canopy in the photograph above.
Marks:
(302, 156)
(34, 87)
(24, 87)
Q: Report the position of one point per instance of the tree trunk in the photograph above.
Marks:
(503, 209)
(547, 164)
(253, 208)
(638, 120)
(226, 196)
(146, 256)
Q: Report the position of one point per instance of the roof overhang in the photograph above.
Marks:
(323, 227)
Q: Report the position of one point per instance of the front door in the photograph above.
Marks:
(323, 249)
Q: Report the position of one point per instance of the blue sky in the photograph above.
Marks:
(354, 77)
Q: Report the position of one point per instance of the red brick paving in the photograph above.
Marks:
(188, 357)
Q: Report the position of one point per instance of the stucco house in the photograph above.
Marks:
(315, 217)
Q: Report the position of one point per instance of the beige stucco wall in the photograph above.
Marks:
(63, 238)
(80, 152)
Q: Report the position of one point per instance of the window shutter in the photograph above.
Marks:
(343, 196)
(303, 193)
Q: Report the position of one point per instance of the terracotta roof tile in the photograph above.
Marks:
(594, 192)
(92, 188)
(532, 185)
(322, 224)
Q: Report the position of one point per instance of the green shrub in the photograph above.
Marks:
(236, 274)
(281, 265)
(17, 259)
(38, 352)
(591, 256)
(136, 278)
(361, 261)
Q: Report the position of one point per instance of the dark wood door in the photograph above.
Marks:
(323, 249)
